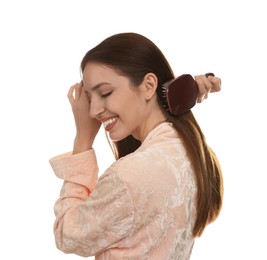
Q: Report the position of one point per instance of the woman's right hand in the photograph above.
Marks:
(86, 127)
(207, 84)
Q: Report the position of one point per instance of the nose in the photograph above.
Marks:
(96, 107)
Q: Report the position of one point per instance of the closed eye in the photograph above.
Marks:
(106, 94)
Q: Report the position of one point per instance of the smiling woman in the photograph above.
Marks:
(121, 106)
(166, 184)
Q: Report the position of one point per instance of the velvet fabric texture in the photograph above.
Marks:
(141, 207)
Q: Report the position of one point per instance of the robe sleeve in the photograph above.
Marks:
(91, 214)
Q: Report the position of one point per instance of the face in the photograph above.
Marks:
(120, 106)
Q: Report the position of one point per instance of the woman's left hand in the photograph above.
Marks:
(207, 85)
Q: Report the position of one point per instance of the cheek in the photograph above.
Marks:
(132, 107)
(127, 104)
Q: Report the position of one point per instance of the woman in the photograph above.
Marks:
(166, 184)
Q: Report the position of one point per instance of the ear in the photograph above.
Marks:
(149, 85)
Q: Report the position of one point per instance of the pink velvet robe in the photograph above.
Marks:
(142, 207)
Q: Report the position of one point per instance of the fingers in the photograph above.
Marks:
(74, 92)
(216, 83)
(207, 85)
(204, 87)
(71, 94)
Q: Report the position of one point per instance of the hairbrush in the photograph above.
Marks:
(181, 93)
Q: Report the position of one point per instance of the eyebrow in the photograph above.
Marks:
(98, 86)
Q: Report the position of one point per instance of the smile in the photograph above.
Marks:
(108, 124)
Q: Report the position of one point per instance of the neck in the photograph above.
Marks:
(153, 120)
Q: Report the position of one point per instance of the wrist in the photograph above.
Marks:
(81, 145)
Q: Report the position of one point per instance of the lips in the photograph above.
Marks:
(109, 124)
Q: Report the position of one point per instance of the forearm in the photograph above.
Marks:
(70, 220)
(86, 223)
(79, 168)
(79, 173)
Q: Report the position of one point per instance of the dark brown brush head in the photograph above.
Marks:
(181, 94)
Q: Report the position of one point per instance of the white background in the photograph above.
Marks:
(41, 46)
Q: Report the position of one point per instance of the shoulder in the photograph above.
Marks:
(160, 156)
(160, 159)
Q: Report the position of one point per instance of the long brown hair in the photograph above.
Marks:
(133, 56)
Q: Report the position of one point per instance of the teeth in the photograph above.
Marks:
(109, 121)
